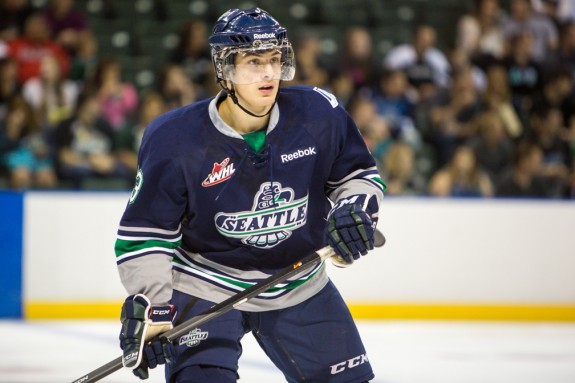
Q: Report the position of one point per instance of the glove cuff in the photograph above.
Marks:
(160, 319)
(368, 203)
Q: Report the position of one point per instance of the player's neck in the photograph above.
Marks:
(239, 120)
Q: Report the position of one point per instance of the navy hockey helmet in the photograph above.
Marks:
(249, 31)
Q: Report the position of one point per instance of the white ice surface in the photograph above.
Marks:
(400, 352)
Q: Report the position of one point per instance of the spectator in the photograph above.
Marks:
(85, 60)
(493, 148)
(548, 132)
(127, 141)
(24, 151)
(557, 93)
(192, 52)
(524, 73)
(524, 19)
(373, 127)
(85, 146)
(175, 87)
(342, 87)
(357, 57)
(451, 116)
(13, 16)
(479, 33)
(497, 98)
(559, 11)
(461, 177)
(9, 86)
(36, 43)
(400, 172)
(394, 105)
(427, 98)
(310, 69)
(420, 58)
(118, 98)
(459, 60)
(564, 56)
(67, 23)
(525, 178)
(52, 96)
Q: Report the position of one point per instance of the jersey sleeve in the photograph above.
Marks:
(150, 226)
(354, 170)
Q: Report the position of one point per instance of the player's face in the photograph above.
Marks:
(258, 66)
(257, 77)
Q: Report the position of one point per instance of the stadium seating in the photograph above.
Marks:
(146, 30)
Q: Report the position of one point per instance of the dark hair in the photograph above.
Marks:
(101, 68)
(32, 124)
(541, 110)
(523, 150)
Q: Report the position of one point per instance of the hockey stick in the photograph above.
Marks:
(227, 305)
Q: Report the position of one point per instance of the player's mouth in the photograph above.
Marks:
(266, 89)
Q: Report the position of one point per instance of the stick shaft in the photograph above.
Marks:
(219, 309)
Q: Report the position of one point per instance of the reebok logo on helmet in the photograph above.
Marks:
(264, 36)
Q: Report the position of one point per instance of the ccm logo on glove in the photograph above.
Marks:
(161, 312)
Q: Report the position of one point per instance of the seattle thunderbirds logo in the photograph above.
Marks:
(274, 216)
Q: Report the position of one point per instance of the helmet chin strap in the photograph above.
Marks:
(232, 93)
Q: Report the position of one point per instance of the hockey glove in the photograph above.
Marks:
(141, 322)
(351, 226)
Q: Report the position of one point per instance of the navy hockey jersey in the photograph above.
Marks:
(210, 217)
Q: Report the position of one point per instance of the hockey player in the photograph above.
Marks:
(229, 191)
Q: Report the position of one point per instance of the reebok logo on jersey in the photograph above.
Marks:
(220, 173)
(273, 217)
(311, 151)
(194, 337)
(350, 363)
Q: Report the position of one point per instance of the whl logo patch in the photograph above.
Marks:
(220, 172)
(194, 337)
(273, 217)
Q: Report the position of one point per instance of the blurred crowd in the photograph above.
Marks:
(493, 115)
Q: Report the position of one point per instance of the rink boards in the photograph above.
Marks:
(444, 259)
